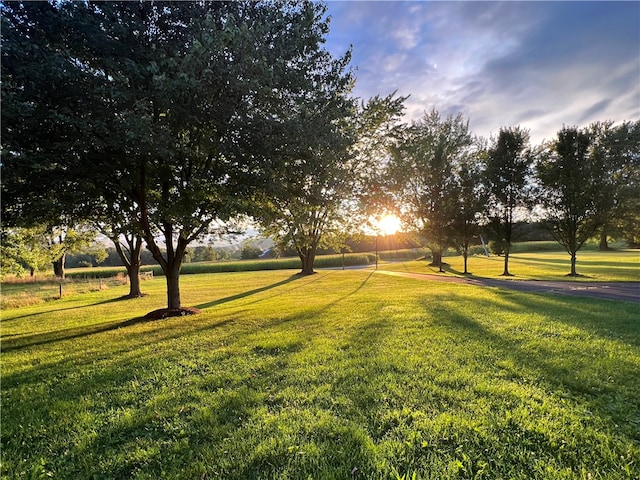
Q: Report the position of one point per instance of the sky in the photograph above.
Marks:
(539, 65)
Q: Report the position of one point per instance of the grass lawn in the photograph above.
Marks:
(618, 265)
(341, 375)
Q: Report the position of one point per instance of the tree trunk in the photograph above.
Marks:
(307, 258)
(133, 271)
(58, 266)
(506, 273)
(573, 265)
(173, 286)
(604, 244)
(131, 262)
(465, 256)
(436, 259)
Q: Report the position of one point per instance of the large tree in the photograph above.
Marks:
(470, 203)
(507, 173)
(336, 148)
(45, 104)
(574, 189)
(617, 148)
(420, 176)
(185, 105)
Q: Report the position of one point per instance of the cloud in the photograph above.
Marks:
(539, 64)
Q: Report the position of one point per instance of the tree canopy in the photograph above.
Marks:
(184, 106)
(420, 173)
(506, 177)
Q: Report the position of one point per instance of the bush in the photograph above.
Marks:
(496, 247)
(250, 252)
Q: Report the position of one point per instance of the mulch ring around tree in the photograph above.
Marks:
(171, 312)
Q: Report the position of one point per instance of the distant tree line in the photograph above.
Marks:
(160, 125)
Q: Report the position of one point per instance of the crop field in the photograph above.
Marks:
(339, 375)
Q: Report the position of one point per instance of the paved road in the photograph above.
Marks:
(628, 291)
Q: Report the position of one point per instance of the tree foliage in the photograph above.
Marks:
(470, 202)
(577, 193)
(317, 200)
(183, 107)
(420, 174)
(617, 148)
(506, 179)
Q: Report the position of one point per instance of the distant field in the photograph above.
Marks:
(322, 261)
(341, 375)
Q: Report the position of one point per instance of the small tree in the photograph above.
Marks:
(506, 175)
(61, 239)
(23, 248)
(573, 189)
(471, 200)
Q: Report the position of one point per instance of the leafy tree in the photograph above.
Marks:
(61, 239)
(574, 191)
(617, 147)
(506, 176)
(316, 203)
(250, 251)
(470, 203)
(183, 104)
(203, 253)
(34, 248)
(23, 248)
(421, 179)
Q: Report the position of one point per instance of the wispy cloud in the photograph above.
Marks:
(538, 64)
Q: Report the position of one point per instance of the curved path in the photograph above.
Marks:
(627, 291)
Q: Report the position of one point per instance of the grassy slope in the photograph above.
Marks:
(338, 375)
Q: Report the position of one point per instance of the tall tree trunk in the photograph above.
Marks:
(465, 256)
(604, 244)
(58, 266)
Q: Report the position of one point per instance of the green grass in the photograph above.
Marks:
(339, 375)
(618, 265)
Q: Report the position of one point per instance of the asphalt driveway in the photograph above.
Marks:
(627, 291)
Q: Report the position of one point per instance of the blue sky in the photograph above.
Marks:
(540, 65)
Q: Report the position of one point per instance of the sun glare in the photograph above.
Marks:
(389, 224)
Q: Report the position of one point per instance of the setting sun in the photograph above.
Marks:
(389, 224)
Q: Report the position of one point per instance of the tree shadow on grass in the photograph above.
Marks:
(67, 334)
(539, 354)
(448, 269)
(24, 341)
(580, 262)
(248, 293)
(102, 302)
